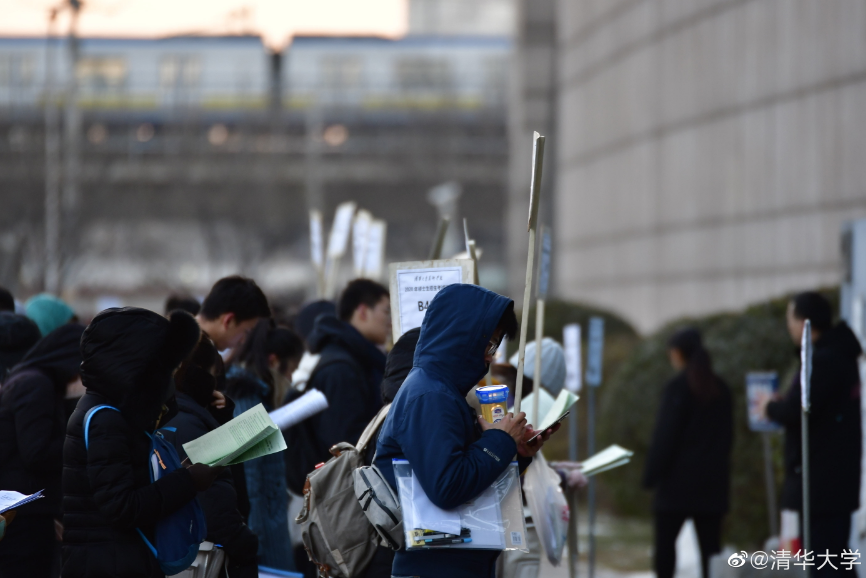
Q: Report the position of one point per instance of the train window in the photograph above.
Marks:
(340, 72)
(423, 73)
(16, 70)
(177, 71)
(101, 74)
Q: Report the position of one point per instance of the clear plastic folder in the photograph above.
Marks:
(493, 520)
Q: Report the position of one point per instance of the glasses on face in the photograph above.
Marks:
(492, 346)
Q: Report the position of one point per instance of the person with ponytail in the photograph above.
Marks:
(688, 463)
(261, 373)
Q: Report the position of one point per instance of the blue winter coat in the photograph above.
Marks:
(431, 425)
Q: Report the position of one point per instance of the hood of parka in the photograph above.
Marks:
(58, 355)
(18, 334)
(129, 355)
(456, 329)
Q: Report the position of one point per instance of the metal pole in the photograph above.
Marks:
(807, 527)
(573, 504)
(591, 492)
(805, 395)
(72, 138)
(770, 478)
(52, 168)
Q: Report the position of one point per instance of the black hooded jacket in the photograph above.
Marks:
(399, 364)
(349, 373)
(225, 526)
(128, 356)
(32, 418)
(17, 335)
(835, 438)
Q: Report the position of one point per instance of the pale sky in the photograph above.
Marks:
(276, 20)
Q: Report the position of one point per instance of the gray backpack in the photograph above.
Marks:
(337, 536)
(380, 504)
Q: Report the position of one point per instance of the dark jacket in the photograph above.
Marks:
(225, 526)
(349, 373)
(834, 427)
(265, 478)
(17, 335)
(128, 358)
(400, 360)
(431, 425)
(688, 464)
(32, 419)
(397, 368)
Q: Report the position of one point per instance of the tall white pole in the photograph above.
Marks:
(534, 193)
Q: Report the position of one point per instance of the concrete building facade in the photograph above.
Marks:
(707, 152)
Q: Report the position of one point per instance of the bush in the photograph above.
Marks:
(754, 340)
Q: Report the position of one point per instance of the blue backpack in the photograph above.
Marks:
(179, 534)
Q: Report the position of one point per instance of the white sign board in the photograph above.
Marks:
(375, 253)
(360, 234)
(806, 366)
(340, 231)
(571, 345)
(316, 248)
(415, 283)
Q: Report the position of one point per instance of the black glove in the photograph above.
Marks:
(203, 475)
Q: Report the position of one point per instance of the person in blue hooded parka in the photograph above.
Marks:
(454, 453)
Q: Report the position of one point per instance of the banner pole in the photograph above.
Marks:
(534, 192)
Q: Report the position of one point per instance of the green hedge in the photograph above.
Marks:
(754, 340)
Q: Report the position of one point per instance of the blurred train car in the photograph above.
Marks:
(220, 72)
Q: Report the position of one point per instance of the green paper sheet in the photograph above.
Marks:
(252, 434)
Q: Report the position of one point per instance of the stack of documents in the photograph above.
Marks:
(10, 500)
(252, 434)
(607, 459)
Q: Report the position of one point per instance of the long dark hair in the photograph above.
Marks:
(264, 340)
(703, 382)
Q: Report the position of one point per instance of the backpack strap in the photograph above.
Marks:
(372, 428)
(89, 416)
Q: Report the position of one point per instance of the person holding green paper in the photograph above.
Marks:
(109, 503)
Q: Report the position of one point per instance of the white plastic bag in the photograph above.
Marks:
(548, 506)
(493, 520)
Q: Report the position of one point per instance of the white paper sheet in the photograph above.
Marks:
(607, 459)
(10, 500)
(431, 516)
(306, 406)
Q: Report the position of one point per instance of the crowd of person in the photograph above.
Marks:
(196, 366)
